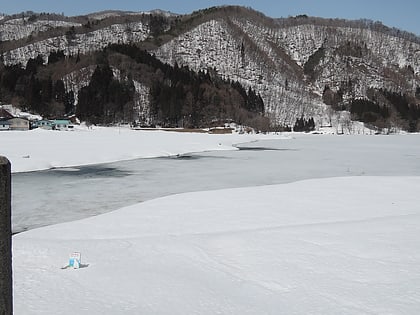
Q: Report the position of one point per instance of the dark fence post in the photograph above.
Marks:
(6, 284)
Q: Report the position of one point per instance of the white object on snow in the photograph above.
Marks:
(75, 260)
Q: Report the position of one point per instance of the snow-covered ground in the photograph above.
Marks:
(324, 246)
(344, 245)
(44, 149)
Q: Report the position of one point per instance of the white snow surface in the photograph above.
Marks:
(44, 149)
(344, 245)
(323, 246)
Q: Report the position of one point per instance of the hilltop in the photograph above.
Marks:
(225, 63)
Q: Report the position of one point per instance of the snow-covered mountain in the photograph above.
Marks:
(300, 66)
(272, 56)
(19, 28)
(82, 43)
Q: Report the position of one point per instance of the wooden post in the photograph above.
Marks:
(6, 284)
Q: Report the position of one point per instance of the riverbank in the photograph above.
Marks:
(45, 149)
(66, 194)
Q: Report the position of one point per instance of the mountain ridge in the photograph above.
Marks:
(301, 66)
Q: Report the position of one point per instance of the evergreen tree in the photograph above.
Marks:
(59, 91)
(33, 64)
(303, 125)
(69, 103)
(103, 100)
(56, 56)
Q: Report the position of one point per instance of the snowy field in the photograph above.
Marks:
(327, 246)
(343, 245)
(44, 149)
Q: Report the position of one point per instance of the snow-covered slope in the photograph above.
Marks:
(271, 58)
(79, 43)
(379, 52)
(251, 62)
(323, 246)
(20, 28)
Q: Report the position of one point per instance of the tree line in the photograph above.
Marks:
(181, 97)
(33, 89)
(386, 108)
(304, 125)
(105, 100)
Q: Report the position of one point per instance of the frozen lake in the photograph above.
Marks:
(59, 195)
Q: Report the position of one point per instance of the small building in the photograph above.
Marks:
(4, 125)
(44, 124)
(62, 124)
(18, 124)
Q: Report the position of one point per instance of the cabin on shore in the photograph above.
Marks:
(17, 123)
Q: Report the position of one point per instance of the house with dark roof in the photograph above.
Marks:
(4, 114)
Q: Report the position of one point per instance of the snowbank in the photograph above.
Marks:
(326, 246)
(44, 149)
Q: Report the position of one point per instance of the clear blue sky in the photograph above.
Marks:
(403, 14)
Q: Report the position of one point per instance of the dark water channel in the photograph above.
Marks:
(59, 195)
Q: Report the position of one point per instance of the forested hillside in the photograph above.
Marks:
(220, 64)
(178, 96)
